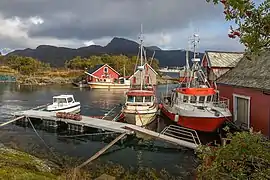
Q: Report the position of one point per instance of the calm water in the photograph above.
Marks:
(93, 102)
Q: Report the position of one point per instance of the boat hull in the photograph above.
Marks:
(205, 124)
(139, 119)
(74, 109)
(108, 86)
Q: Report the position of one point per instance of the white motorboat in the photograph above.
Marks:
(64, 103)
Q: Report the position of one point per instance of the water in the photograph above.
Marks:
(93, 102)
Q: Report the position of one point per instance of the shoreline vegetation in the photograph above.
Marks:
(16, 164)
(29, 71)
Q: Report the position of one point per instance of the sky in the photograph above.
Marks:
(167, 24)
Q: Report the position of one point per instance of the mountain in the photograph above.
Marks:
(57, 56)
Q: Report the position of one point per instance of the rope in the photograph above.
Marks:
(92, 134)
(43, 140)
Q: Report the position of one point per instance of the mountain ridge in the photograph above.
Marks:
(57, 56)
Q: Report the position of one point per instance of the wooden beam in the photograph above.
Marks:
(95, 156)
(13, 120)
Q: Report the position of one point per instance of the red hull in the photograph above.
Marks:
(196, 123)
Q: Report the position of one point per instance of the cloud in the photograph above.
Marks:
(29, 23)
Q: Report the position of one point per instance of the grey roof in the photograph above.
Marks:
(90, 71)
(223, 59)
(251, 71)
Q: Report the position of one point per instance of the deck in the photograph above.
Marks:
(86, 121)
(105, 125)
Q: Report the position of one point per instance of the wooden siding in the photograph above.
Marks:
(152, 77)
(259, 106)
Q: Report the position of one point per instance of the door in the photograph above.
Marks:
(242, 111)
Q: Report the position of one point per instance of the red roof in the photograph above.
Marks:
(196, 91)
(140, 93)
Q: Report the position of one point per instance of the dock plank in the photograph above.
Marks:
(86, 121)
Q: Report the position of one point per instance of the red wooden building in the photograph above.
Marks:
(217, 63)
(102, 73)
(248, 88)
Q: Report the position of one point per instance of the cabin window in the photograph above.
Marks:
(147, 99)
(69, 99)
(59, 100)
(193, 99)
(201, 99)
(208, 99)
(106, 69)
(139, 99)
(130, 99)
(185, 99)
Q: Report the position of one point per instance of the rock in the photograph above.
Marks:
(105, 177)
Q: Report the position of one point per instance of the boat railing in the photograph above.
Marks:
(222, 103)
(182, 133)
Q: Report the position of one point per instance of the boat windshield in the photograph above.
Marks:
(130, 99)
(148, 99)
(139, 99)
(59, 100)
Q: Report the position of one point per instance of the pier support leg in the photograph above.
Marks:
(95, 156)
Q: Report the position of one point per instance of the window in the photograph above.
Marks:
(193, 99)
(185, 99)
(147, 99)
(208, 99)
(59, 100)
(139, 99)
(201, 99)
(69, 99)
(134, 80)
(130, 99)
(106, 69)
(147, 79)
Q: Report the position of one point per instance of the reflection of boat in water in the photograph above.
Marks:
(195, 104)
(141, 104)
(64, 103)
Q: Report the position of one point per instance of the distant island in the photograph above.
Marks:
(57, 56)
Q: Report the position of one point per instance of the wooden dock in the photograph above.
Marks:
(104, 125)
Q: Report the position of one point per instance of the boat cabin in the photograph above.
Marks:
(194, 96)
(63, 99)
(137, 97)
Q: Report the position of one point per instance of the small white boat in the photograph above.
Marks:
(64, 103)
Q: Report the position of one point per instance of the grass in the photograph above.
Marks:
(19, 165)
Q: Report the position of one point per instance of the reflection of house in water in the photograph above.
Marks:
(248, 88)
(217, 63)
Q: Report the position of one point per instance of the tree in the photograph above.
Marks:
(253, 22)
(247, 156)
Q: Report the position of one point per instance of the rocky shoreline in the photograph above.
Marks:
(41, 81)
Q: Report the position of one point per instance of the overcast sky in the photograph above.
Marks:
(76, 23)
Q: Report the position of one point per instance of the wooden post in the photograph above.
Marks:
(95, 156)
(13, 120)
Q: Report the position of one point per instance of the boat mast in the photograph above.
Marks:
(141, 55)
(194, 41)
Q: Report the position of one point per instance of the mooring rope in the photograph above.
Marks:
(43, 140)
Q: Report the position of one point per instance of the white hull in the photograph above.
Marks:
(72, 109)
(141, 117)
(94, 85)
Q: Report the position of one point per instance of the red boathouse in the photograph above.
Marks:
(102, 73)
(248, 88)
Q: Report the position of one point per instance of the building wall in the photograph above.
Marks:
(151, 74)
(259, 106)
(111, 73)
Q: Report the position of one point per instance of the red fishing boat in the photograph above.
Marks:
(195, 104)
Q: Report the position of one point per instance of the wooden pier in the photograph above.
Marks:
(105, 125)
